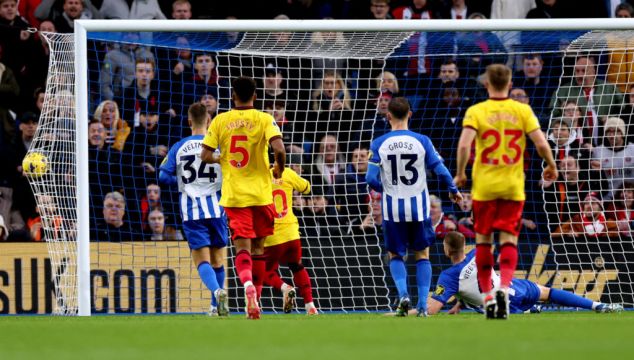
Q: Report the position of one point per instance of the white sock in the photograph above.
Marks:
(309, 305)
(247, 284)
(285, 287)
(595, 304)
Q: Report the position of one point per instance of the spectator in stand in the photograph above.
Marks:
(571, 111)
(373, 221)
(457, 10)
(485, 48)
(23, 199)
(327, 164)
(520, 95)
(96, 135)
(465, 216)
(547, 9)
(380, 10)
(117, 130)
(319, 218)
(42, 55)
(150, 201)
(594, 97)
(351, 188)
(274, 88)
(620, 69)
(591, 222)
(54, 9)
(418, 43)
(119, 66)
(180, 60)
(563, 141)
(134, 9)
(4, 231)
(73, 10)
(615, 158)
(325, 39)
(538, 88)
(563, 196)
(38, 97)
(332, 105)
(46, 208)
(387, 81)
(290, 134)
(204, 80)
(621, 209)
(210, 102)
(114, 226)
(381, 124)
(443, 223)
(450, 77)
(158, 231)
(181, 10)
(511, 9)
(149, 107)
(9, 91)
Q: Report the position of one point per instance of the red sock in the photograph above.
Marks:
(508, 263)
(302, 281)
(273, 278)
(259, 272)
(244, 266)
(484, 262)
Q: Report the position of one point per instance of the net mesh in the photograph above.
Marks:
(329, 92)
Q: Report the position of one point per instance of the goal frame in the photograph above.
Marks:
(82, 27)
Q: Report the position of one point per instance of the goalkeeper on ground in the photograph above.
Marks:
(204, 220)
(461, 281)
(284, 246)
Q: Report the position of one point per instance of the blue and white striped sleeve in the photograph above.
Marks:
(373, 175)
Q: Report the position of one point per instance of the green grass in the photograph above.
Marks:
(562, 336)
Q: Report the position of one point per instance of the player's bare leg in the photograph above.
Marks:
(202, 258)
(244, 267)
(423, 280)
(484, 263)
(508, 264)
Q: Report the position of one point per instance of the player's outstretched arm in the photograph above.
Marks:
(441, 171)
(279, 153)
(545, 152)
(464, 151)
(167, 179)
(373, 177)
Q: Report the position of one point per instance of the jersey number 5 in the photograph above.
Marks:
(201, 173)
(514, 134)
(235, 148)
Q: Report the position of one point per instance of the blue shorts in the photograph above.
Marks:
(523, 295)
(206, 232)
(400, 236)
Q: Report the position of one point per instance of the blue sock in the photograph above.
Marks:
(207, 276)
(561, 297)
(423, 282)
(399, 274)
(220, 277)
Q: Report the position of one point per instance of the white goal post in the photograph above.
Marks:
(83, 27)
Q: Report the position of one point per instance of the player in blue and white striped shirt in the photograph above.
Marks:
(398, 164)
(204, 221)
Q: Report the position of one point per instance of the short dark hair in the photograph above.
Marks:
(498, 76)
(243, 88)
(455, 242)
(197, 113)
(399, 108)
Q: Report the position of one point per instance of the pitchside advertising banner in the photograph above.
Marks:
(125, 278)
(130, 278)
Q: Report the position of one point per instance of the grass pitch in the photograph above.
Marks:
(551, 335)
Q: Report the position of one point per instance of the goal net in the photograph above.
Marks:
(328, 92)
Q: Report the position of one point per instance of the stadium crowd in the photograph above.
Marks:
(139, 97)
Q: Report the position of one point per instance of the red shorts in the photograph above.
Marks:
(286, 253)
(501, 215)
(251, 222)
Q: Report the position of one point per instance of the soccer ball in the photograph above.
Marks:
(35, 164)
